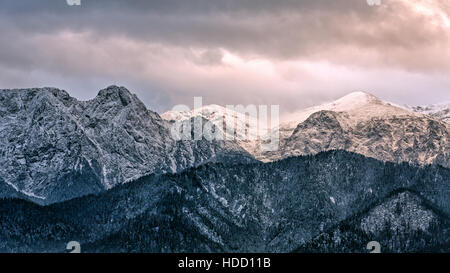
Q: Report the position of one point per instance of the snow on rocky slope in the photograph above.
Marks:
(358, 122)
(359, 105)
(363, 124)
(403, 223)
(439, 111)
(233, 124)
(54, 147)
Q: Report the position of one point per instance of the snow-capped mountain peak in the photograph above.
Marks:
(221, 117)
(355, 99)
(358, 122)
(364, 124)
(211, 112)
(358, 105)
(235, 125)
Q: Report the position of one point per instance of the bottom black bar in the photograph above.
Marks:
(229, 262)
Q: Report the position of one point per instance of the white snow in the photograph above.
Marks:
(355, 108)
(439, 111)
(359, 105)
(412, 215)
(238, 126)
(332, 200)
(220, 117)
(30, 194)
(355, 102)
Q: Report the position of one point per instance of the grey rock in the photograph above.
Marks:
(54, 147)
(411, 139)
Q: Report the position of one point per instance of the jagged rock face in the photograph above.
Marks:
(43, 146)
(54, 147)
(396, 138)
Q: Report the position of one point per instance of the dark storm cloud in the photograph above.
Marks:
(178, 47)
(192, 7)
(277, 29)
(167, 19)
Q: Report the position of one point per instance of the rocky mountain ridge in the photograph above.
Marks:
(54, 147)
(358, 122)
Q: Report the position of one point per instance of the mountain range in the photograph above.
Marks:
(358, 122)
(54, 147)
(108, 174)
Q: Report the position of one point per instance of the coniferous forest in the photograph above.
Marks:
(334, 201)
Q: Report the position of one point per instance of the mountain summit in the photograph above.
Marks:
(359, 105)
(364, 124)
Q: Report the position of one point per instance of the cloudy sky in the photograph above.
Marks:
(294, 53)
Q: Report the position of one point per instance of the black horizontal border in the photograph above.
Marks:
(278, 262)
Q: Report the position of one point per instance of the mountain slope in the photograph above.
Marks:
(403, 222)
(54, 147)
(358, 122)
(397, 138)
(354, 103)
(272, 207)
(363, 124)
(438, 111)
(234, 125)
